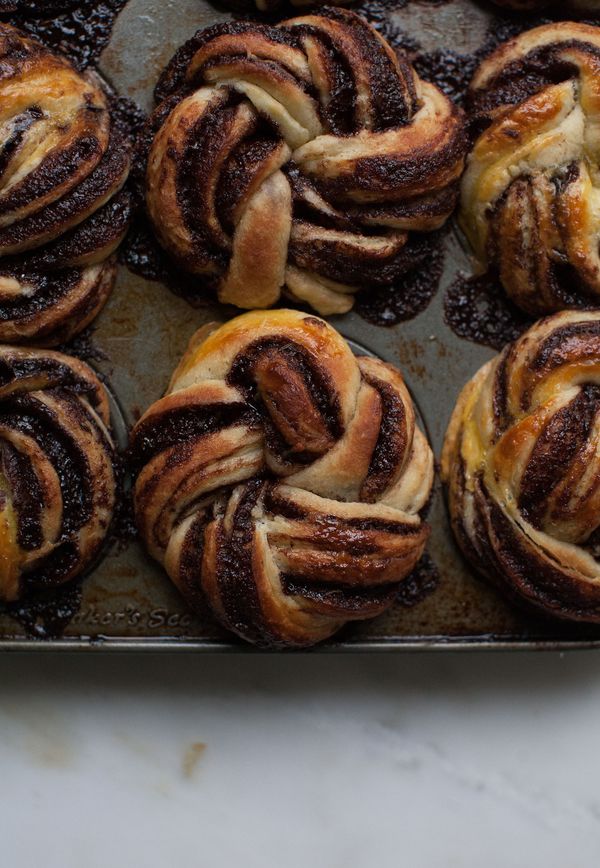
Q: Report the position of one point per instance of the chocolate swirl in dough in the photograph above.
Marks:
(298, 158)
(522, 463)
(57, 483)
(63, 212)
(281, 479)
(530, 201)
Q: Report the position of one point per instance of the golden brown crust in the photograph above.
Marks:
(531, 190)
(296, 159)
(63, 163)
(281, 479)
(57, 482)
(521, 462)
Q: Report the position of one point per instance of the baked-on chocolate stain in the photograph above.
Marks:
(143, 255)
(46, 614)
(409, 295)
(81, 29)
(477, 308)
(422, 582)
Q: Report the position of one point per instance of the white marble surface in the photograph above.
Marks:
(417, 761)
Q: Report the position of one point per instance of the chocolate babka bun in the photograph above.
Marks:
(281, 479)
(57, 482)
(298, 158)
(522, 465)
(531, 189)
(63, 161)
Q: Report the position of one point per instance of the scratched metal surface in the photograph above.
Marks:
(128, 602)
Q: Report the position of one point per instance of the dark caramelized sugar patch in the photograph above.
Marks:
(143, 255)
(47, 614)
(422, 582)
(81, 29)
(477, 308)
(409, 295)
(447, 69)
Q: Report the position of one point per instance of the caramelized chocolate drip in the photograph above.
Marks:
(477, 309)
(80, 29)
(410, 295)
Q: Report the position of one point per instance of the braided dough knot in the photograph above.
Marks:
(282, 478)
(63, 212)
(531, 191)
(522, 460)
(298, 157)
(57, 479)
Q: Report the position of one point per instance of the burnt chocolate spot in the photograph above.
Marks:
(80, 29)
(477, 308)
(410, 293)
(46, 614)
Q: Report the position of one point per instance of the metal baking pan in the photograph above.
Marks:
(127, 602)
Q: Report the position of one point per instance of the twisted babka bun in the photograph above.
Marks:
(281, 479)
(522, 465)
(531, 189)
(63, 163)
(57, 483)
(298, 156)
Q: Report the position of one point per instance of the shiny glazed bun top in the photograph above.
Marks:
(522, 463)
(57, 482)
(281, 479)
(530, 201)
(64, 158)
(297, 158)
